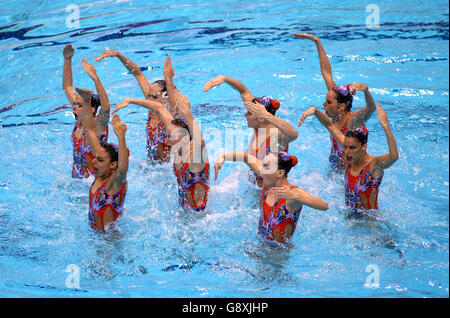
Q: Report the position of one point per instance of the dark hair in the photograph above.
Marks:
(161, 83)
(341, 98)
(286, 162)
(95, 101)
(361, 133)
(180, 123)
(112, 151)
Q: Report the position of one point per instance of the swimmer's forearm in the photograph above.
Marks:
(105, 110)
(67, 73)
(332, 129)
(240, 87)
(251, 161)
(288, 131)
(132, 67)
(123, 155)
(163, 113)
(325, 66)
(392, 144)
(363, 115)
(312, 201)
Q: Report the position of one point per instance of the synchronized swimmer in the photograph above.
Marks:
(173, 133)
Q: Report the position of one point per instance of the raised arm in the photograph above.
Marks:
(288, 133)
(325, 121)
(163, 113)
(169, 73)
(87, 119)
(67, 74)
(325, 66)
(131, 67)
(104, 112)
(122, 167)
(359, 117)
(384, 162)
(183, 105)
(250, 160)
(246, 95)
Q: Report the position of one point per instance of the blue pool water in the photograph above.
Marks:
(162, 252)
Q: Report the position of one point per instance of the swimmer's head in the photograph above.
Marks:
(158, 91)
(106, 160)
(271, 105)
(180, 132)
(93, 102)
(355, 144)
(339, 100)
(276, 167)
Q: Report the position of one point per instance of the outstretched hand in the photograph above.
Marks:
(121, 105)
(119, 126)
(89, 68)
(218, 165)
(359, 86)
(107, 53)
(306, 36)
(168, 71)
(68, 51)
(214, 82)
(310, 111)
(382, 116)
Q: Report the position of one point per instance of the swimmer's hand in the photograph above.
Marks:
(284, 192)
(168, 71)
(214, 82)
(382, 116)
(119, 126)
(257, 110)
(218, 165)
(121, 105)
(182, 103)
(68, 51)
(359, 86)
(89, 68)
(310, 111)
(306, 36)
(107, 53)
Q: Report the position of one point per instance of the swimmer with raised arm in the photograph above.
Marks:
(338, 104)
(82, 154)
(157, 148)
(364, 173)
(271, 134)
(107, 193)
(281, 202)
(191, 166)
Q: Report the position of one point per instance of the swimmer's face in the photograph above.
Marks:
(103, 167)
(156, 93)
(253, 121)
(269, 171)
(177, 135)
(353, 149)
(331, 105)
(79, 102)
